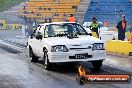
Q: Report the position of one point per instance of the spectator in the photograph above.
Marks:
(121, 26)
(24, 30)
(48, 19)
(35, 23)
(39, 14)
(49, 9)
(44, 8)
(94, 26)
(40, 8)
(55, 14)
(52, 14)
(25, 12)
(25, 19)
(24, 7)
(65, 20)
(71, 18)
(30, 22)
(74, 7)
(30, 32)
(64, 15)
(32, 12)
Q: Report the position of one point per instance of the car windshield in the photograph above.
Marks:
(55, 30)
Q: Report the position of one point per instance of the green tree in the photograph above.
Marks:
(6, 4)
(2, 4)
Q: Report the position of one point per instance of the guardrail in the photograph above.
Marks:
(119, 47)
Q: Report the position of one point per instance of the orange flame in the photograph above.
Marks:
(81, 71)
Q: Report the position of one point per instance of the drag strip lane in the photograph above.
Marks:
(65, 73)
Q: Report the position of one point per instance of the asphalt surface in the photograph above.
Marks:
(16, 70)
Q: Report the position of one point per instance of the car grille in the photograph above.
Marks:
(89, 47)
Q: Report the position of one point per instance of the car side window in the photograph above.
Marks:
(38, 32)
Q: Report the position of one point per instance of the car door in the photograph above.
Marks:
(37, 42)
(33, 41)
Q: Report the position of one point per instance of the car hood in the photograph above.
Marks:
(82, 40)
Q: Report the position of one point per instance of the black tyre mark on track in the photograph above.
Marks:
(15, 43)
(9, 49)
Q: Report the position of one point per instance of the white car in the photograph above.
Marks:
(102, 27)
(104, 32)
(60, 42)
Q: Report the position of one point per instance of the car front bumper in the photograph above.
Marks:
(55, 57)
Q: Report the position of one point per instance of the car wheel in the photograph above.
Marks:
(47, 64)
(97, 64)
(31, 54)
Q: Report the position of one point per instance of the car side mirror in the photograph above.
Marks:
(39, 36)
(31, 36)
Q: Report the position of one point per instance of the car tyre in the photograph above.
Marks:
(97, 64)
(32, 55)
(47, 64)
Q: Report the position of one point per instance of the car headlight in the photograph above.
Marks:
(59, 48)
(98, 46)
